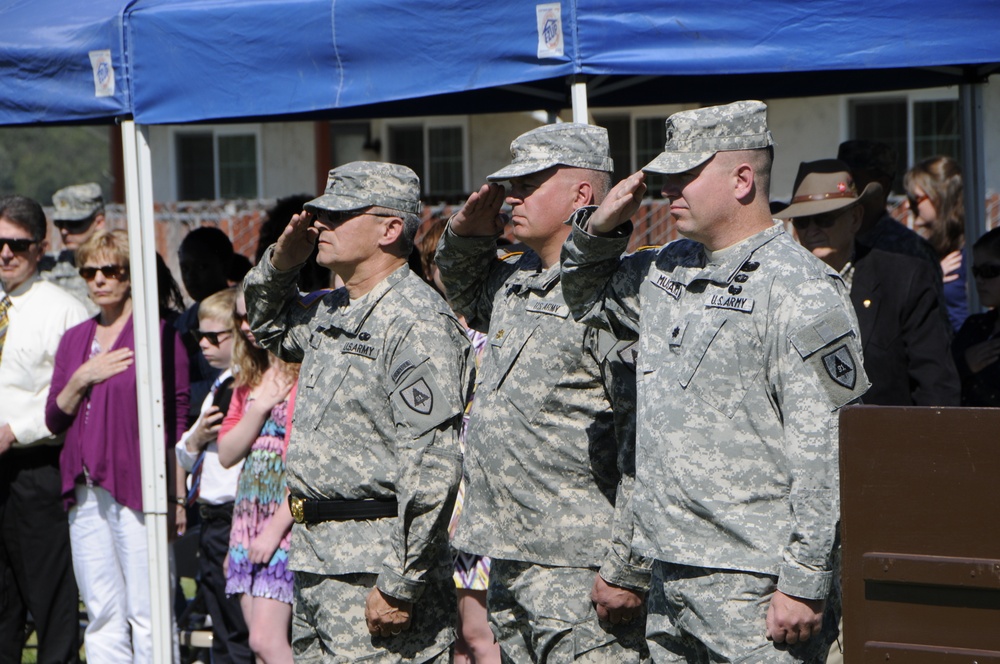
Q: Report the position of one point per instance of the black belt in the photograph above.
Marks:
(211, 512)
(315, 511)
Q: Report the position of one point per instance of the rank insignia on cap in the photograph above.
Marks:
(841, 367)
(418, 397)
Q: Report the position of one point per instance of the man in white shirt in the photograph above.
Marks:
(212, 487)
(36, 570)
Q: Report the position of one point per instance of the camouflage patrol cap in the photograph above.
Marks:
(865, 155)
(77, 202)
(362, 184)
(693, 137)
(564, 144)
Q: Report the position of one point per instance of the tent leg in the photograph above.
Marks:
(149, 383)
(578, 95)
(973, 175)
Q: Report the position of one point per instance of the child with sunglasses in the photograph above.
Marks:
(212, 487)
(977, 345)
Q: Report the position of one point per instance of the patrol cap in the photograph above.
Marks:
(77, 202)
(865, 155)
(824, 186)
(362, 184)
(693, 137)
(563, 144)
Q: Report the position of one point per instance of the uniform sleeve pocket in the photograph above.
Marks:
(829, 345)
(820, 333)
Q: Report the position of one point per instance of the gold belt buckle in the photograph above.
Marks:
(296, 506)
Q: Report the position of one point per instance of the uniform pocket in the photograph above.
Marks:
(721, 364)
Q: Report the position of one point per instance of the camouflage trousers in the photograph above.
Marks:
(328, 622)
(703, 616)
(544, 614)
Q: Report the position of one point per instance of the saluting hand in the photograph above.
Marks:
(296, 242)
(480, 216)
(620, 204)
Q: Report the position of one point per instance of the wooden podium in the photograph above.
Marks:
(920, 528)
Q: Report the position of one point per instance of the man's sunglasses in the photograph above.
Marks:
(825, 220)
(116, 272)
(986, 271)
(17, 245)
(213, 337)
(75, 226)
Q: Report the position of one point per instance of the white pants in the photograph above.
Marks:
(111, 564)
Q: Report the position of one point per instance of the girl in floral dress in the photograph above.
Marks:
(257, 428)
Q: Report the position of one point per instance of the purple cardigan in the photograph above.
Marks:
(107, 438)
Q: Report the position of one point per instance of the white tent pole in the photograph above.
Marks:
(973, 176)
(578, 95)
(149, 383)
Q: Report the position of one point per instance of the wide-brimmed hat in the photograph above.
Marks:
(564, 144)
(363, 184)
(693, 137)
(824, 186)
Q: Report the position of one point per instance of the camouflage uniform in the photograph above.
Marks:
(543, 466)
(73, 204)
(381, 393)
(745, 355)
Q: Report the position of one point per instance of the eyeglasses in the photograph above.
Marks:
(116, 272)
(825, 220)
(213, 337)
(17, 245)
(986, 271)
(915, 201)
(74, 226)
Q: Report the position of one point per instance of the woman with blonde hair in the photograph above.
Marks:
(93, 399)
(256, 428)
(935, 196)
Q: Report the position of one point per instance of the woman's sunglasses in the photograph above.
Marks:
(116, 272)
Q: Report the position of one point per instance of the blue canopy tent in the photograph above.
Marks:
(180, 61)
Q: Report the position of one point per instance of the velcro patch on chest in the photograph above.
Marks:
(669, 286)
(362, 349)
(548, 308)
(732, 302)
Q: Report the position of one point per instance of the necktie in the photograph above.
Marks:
(199, 464)
(5, 305)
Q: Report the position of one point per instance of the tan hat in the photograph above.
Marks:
(824, 186)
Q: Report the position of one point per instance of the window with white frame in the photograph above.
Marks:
(217, 163)
(631, 154)
(436, 152)
(917, 125)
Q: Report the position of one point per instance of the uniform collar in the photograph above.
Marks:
(531, 276)
(350, 316)
(734, 259)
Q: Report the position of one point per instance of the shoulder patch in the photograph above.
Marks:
(841, 367)
(309, 299)
(418, 396)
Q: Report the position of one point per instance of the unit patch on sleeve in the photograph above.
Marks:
(841, 367)
(419, 397)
